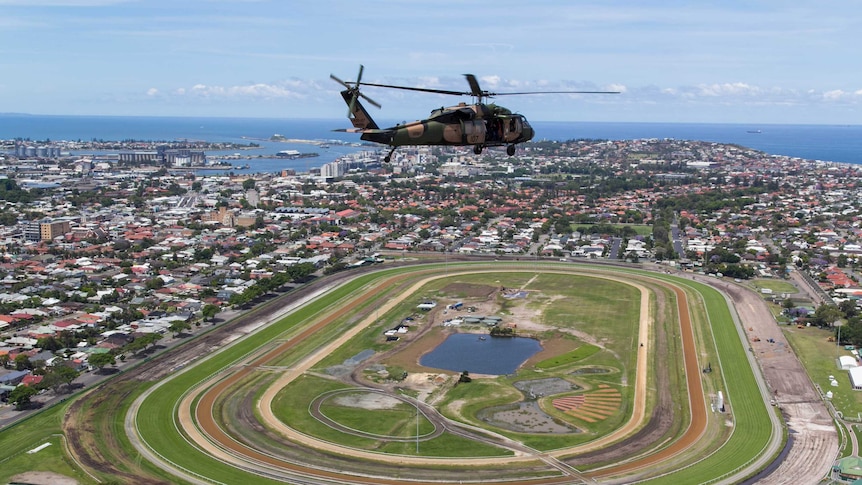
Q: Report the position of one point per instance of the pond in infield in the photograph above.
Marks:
(481, 354)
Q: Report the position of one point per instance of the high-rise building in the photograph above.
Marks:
(45, 229)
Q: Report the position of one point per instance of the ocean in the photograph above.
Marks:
(833, 143)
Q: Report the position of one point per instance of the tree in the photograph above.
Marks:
(848, 308)
(22, 362)
(177, 327)
(49, 343)
(851, 333)
(4, 359)
(825, 315)
(150, 339)
(841, 261)
(58, 375)
(101, 360)
(21, 396)
(209, 311)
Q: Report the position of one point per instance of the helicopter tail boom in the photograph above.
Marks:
(371, 131)
(358, 114)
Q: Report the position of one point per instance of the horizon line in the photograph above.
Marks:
(749, 123)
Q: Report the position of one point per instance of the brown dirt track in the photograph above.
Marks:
(696, 399)
(698, 409)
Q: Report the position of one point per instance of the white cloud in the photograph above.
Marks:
(152, 92)
(252, 91)
(728, 89)
(833, 95)
(492, 81)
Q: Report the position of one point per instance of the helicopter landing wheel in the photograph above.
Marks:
(386, 159)
(477, 149)
(510, 150)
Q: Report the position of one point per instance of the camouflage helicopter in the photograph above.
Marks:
(478, 125)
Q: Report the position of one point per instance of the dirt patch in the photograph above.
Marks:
(545, 387)
(468, 290)
(409, 353)
(366, 400)
(552, 346)
(43, 478)
(524, 417)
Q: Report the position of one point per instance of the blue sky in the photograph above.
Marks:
(674, 61)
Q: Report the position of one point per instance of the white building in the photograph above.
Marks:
(856, 378)
(847, 362)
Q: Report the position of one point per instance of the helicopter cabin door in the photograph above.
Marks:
(474, 131)
(512, 128)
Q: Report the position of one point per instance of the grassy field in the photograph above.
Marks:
(17, 440)
(777, 286)
(398, 421)
(292, 403)
(569, 358)
(820, 358)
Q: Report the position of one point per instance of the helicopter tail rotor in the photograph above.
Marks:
(353, 89)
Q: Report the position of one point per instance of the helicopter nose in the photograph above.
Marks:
(527, 133)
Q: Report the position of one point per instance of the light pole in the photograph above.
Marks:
(838, 340)
(417, 426)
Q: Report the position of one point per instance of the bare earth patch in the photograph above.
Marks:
(367, 400)
(469, 290)
(43, 478)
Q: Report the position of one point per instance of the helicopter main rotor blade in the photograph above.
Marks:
(553, 92)
(475, 90)
(422, 90)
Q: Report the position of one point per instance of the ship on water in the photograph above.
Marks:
(294, 154)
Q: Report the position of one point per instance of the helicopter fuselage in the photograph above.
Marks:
(462, 125)
(478, 125)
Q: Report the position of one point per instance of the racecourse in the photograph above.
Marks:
(168, 421)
